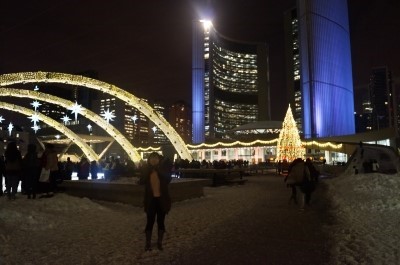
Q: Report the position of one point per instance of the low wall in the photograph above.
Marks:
(130, 193)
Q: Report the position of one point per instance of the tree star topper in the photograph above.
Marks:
(108, 115)
(76, 109)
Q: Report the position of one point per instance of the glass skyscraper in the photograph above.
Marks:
(325, 68)
(230, 83)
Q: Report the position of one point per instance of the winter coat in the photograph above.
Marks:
(31, 165)
(165, 179)
(314, 173)
(13, 163)
(50, 160)
(298, 173)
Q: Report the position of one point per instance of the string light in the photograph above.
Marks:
(149, 149)
(131, 100)
(111, 130)
(239, 143)
(90, 154)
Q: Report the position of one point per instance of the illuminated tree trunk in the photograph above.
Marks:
(289, 145)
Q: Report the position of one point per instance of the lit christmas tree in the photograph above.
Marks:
(289, 145)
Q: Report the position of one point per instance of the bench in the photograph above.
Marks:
(218, 176)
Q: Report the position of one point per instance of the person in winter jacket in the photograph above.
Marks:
(13, 160)
(31, 171)
(157, 202)
(298, 176)
(310, 185)
(49, 161)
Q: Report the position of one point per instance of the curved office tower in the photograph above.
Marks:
(326, 74)
(230, 85)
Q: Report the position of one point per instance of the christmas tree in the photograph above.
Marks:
(289, 145)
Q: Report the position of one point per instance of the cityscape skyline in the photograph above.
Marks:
(146, 48)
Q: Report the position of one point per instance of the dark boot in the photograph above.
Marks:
(147, 247)
(160, 239)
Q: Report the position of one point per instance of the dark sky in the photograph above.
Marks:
(145, 46)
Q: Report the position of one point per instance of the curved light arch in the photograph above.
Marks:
(90, 154)
(111, 130)
(143, 107)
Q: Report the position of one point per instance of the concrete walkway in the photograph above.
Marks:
(271, 232)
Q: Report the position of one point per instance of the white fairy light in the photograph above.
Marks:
(57, 136)
(89, 127)
(154, 129)
(108, 115)
(35, 127)
(134, 118)
(76, 109)
(36, 104)
(65, 119)
(34, 118)
(1, 119)
(10, 128)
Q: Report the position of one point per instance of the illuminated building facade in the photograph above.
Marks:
(293, 76)
(180, 119)
(325, 68)
(230, 83)
(382, 99)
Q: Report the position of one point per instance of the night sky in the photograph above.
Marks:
(145, 46)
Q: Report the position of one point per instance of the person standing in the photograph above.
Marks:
(94, 169)
(13, 161)
(50, 162)
(157, 202)
(83, 169)
(31, 170)
(69, 168)
(310, 184)
(298, 177)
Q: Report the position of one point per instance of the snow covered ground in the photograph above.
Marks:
(367, 208)
(69, 230)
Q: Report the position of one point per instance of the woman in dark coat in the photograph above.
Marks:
(157, 201)
(13, 169)
(31, 170)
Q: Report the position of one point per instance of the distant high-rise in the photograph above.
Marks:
(382, 99)
(180, 120)
(293, 77)
(325, 68)
(230, 83)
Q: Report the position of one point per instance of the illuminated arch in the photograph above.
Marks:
(143, 107)
(90, 154)
(111, 130)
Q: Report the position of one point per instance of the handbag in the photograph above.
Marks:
(44, 175)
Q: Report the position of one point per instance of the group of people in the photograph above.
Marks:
(302, 178)
(27, 170)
